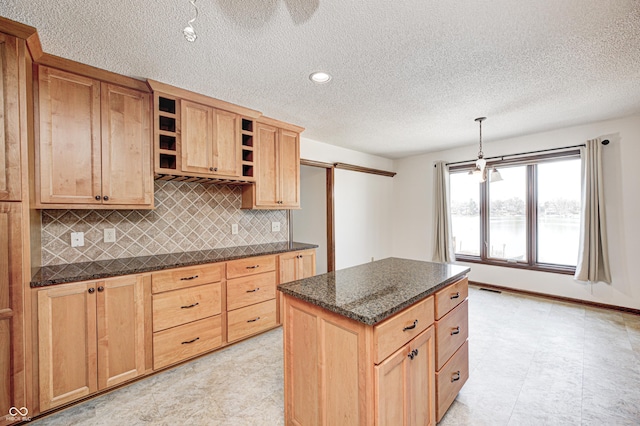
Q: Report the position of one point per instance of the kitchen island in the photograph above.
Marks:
(380, 343)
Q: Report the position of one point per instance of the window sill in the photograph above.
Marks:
(556, 269)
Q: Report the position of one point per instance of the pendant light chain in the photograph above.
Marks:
(480, 120)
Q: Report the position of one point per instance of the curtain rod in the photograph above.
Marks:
(604, 142)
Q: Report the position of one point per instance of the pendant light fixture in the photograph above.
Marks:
(481, 163)
(189, 32)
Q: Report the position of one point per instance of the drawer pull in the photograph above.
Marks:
(190, 306)
(253, 267)
(190, 341)
(189, 278)
(254, 320)
(455, 296)
(411, 327)
(413, 354)
(254, 290)
(455, 330)
(455, 377)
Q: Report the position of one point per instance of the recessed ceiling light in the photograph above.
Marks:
(320, 77)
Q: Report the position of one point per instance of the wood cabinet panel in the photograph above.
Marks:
(179, 307)
(126, 146)
(9, 120)
(69, 138)
(451, 296)
(121, 334)
(266, 166)
(451, 378)
(197, 137)
(67, 351)
(250, 320)
(296, 265)
(186, 341)
(289, 168)
(226, 147)
(307, 264)
(250, 266)
(394, 332)
(250, 290)
(452, 331)
(189, 276)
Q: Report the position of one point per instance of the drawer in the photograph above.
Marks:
(179, 307)
(250, 266)
(450, 379)
(186, 341)
(253, 319)
(250, 290)
(190, 276)
(451, 296)
(451, 331)
(394, 332)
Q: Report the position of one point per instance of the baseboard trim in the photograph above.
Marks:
(559, 298)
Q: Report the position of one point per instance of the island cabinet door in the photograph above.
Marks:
(405, 384)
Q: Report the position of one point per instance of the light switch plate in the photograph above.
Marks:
(275, 226)
(77, 239)
(110, 235)
(234, 229)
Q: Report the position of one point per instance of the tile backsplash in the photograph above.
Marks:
(187, 217)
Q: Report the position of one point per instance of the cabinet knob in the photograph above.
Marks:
(98, 197)
(213, 169)
(106, 198)
(101, 289)
(91, 290)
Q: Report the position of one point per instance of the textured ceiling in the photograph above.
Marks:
(409, 76)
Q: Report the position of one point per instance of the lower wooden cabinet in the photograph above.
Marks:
(251, 319)
(91, 337)
(297, 265)
(405, 385)
(186, 341)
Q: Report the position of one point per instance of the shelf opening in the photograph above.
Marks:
(168, 124)
(167, 161)
(168, 142)
(167, 105)
(247, 155)
(247, 170)
(247, 125)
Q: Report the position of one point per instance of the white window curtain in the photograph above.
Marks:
(593, 257)
(442, 246)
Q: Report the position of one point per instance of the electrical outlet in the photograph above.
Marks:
(275, 226)
(77, 239)
(234, 229)
(110, 235)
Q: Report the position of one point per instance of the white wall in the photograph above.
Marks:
(363, 208)
(413, 213)
(310, 222)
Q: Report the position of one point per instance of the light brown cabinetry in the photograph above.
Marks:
(91, 337)
(276, 167)
(296, 265)
(452, 354)
(187, 313)
(93, 143)
(9, 120)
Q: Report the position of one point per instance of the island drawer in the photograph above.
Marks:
(176, 307)
(186, 341)
(392, 333)
(451, 332)
(451, 296)
(250, 290)
(250, 266)
(250, 320)
(190, 276)
(450, 379)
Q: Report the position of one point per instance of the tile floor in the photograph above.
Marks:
(532, 361)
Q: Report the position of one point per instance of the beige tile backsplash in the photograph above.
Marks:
(187, 217)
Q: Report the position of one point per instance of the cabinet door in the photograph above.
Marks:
(9, 120)
(289, 168)
(126, 146)
(69, 138)
(120, 325)
(307, 264)
(11, 340)
(392, 389)
(197, 134)
(266, 151)
(226, 147)
(288, 267)
(67, 343)
(422, 393)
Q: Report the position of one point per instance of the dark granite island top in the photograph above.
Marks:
(371, 292)
(85, 271)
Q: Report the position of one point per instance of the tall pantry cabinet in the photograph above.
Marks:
(15, 64)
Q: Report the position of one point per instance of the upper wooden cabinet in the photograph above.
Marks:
(210, 141)
(9, 120)
(93, 144)
(277, 167)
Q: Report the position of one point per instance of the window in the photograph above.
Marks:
(530, 219)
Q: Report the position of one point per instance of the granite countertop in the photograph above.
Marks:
(372, 292)
(72, 272)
